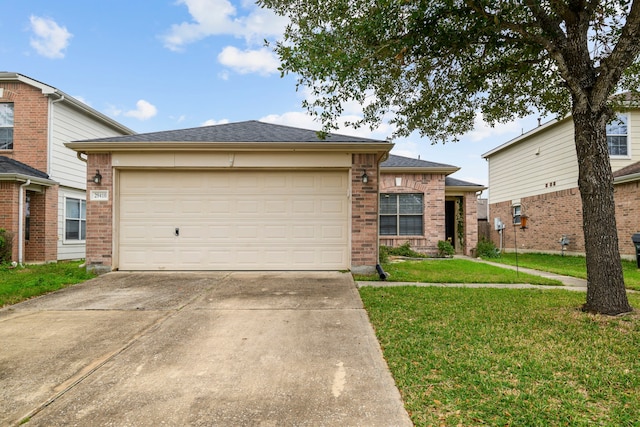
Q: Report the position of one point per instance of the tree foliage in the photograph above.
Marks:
(431, 65)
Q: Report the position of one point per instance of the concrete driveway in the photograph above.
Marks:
(228, 349)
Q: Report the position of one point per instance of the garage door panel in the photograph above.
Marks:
(252, 220)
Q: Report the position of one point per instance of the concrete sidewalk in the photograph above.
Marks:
(232, 349)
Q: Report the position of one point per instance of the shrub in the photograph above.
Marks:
(6, 245)
(402, 250)
(383, 254)
(445, 248)
(486, 249)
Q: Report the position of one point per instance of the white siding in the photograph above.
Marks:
(68, 125)
(68, 250)
(518, 172)
(533, 165)
(71, 125)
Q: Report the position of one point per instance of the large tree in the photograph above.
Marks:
(431, 65)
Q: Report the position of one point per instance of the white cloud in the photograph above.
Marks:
(482, 130)
(212, 122)
(220, 17)
(50, 39)
(144, 110)
(261, 61)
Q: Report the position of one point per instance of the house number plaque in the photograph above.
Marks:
(99, 195)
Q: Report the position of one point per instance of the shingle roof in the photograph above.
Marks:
(13, 167)
(406, 162)
(629, 170)
(251, 131)
(453, 182)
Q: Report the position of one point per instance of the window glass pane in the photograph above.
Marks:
(73, 208)
(83, 230)
(6, 115)
(83, 209)
(6, 138)
(388, 204)
(388, 225)
(410, 225)
(72, 229)
(618, 126)
(617, 145)
(410, 203)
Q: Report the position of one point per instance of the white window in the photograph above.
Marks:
(6, 126)
(401, 214)
(617, 136)
(517, 214)
(75, 221)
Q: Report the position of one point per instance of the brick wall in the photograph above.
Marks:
(432, 186)
(364, 213)
(470, 222)
(99, 215)
(9, 212)
(42, 245)
(31, 123)
(550, 215)
(627, 198)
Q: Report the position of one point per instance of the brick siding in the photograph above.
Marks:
(364, 213)
(100, 215)
(9, 212)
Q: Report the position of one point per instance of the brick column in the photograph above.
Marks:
(470, 222)
(9, 212)
(99, 215)
(364, 214)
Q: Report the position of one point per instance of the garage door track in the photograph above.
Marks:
(263, 349)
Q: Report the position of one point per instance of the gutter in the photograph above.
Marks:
(627, 178)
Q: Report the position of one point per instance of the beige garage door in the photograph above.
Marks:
(233, 220)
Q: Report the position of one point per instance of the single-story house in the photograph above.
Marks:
(422, 205)
(237, 196)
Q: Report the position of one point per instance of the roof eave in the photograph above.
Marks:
(464, 188)
(408, 169)
(24, 178)
(105, 147)
(627, 178)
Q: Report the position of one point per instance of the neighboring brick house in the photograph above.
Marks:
(42, 183)
(536, 175)
(421, 204)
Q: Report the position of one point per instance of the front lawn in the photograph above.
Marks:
(575, 266)
(473, 357)
(455, 271)
(19, 284)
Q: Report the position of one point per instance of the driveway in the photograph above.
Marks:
(228, 349)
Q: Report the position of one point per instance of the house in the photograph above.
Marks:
(536, 175)
(42, 183)
(422, 205)
(237, 196)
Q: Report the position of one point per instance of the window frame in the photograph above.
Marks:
(8, 144)
(627, 155)
(516, 214)
(81, 220)
(399, 214)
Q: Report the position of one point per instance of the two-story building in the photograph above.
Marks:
(43, 183)
(536, 176)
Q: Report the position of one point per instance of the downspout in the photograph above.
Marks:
(50, 134)
(21, 221)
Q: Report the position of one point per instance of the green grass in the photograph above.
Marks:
(473, 357)
(455, 271)
(19, 284)
(574, 266)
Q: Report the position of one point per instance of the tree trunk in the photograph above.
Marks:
(606, 293)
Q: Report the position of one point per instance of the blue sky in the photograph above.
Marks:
(178, 64)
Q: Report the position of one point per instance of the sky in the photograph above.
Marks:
(174, 64)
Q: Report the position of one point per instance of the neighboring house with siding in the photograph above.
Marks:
(536, 175)
(43, 183)
(422, 205)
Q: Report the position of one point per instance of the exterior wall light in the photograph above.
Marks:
(97, 178)
(364, 177)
